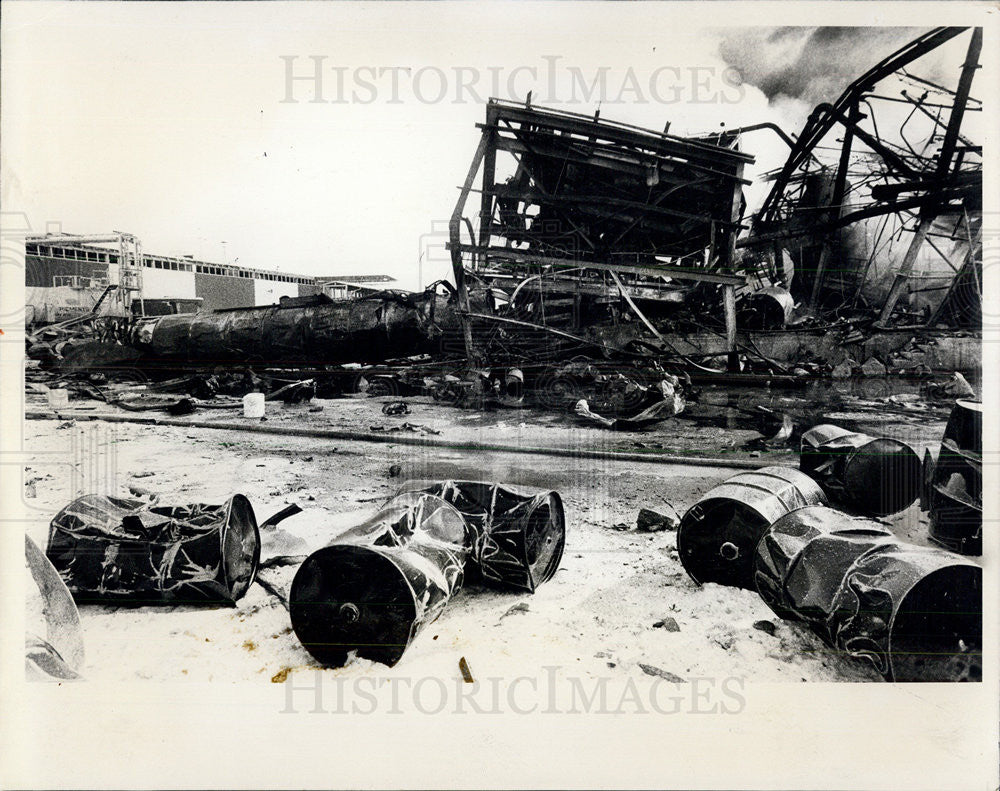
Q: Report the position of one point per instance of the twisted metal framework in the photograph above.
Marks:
(922, 177)
(597, 211)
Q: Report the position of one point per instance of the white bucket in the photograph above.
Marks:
(58, 398)
(253, 405)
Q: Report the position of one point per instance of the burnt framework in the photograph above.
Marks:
(829, 185)
(596, 211)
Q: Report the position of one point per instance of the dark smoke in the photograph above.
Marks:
(811, 64)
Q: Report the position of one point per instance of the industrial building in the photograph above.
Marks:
(65, 275)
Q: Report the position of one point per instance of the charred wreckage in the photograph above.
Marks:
(602, 270)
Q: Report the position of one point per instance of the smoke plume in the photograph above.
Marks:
(809, 64)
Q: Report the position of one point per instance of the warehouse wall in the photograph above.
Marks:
(38, 271)
(268, 292)
(164, 283)
(220, 291)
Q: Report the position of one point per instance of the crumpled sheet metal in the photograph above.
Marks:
(114, 550)
(671, 404)
(518, 536)
(375, 587)
(954, 493)
(59, 654)
(876, 476)
(718, 534)
(914, 612)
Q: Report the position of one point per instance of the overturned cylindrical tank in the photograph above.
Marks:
(518, 536)
(718, 534)
(379, 584)
(313, 329)
(109, 549)
(768, 308)
(954, 493)
(914, 612)
(873, 475)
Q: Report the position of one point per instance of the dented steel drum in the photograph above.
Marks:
(518, 536)
(718, 534)
(113, 550)
(769, 308)
(875, 476)
(914, 612)
(954, 495)
(374, 588)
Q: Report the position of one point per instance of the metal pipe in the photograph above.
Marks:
(472, 448)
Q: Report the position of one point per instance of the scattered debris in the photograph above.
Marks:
(395, 408)
(652, 670)
(517, 608)
(463, 666)
(667, 623)
(767, 627)
(650, 521)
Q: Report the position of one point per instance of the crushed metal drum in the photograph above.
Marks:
(876, 476)
(718, 534)
(374, 588)
(955, 494)
(914, 612)
(115, 550)
(518, 535)
(769, 308)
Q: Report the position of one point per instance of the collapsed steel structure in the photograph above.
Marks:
(591, 213)
(838, 203)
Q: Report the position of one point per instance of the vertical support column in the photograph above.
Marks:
(836, 200)
(489, 178)
(455, 237)
(903, 275)
(729, 309)
(729, 291)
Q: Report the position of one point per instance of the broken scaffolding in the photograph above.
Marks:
(885, 168)
(575, 213)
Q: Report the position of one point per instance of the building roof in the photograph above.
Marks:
(354, 279)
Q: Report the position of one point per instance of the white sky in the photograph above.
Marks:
(167, 120)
